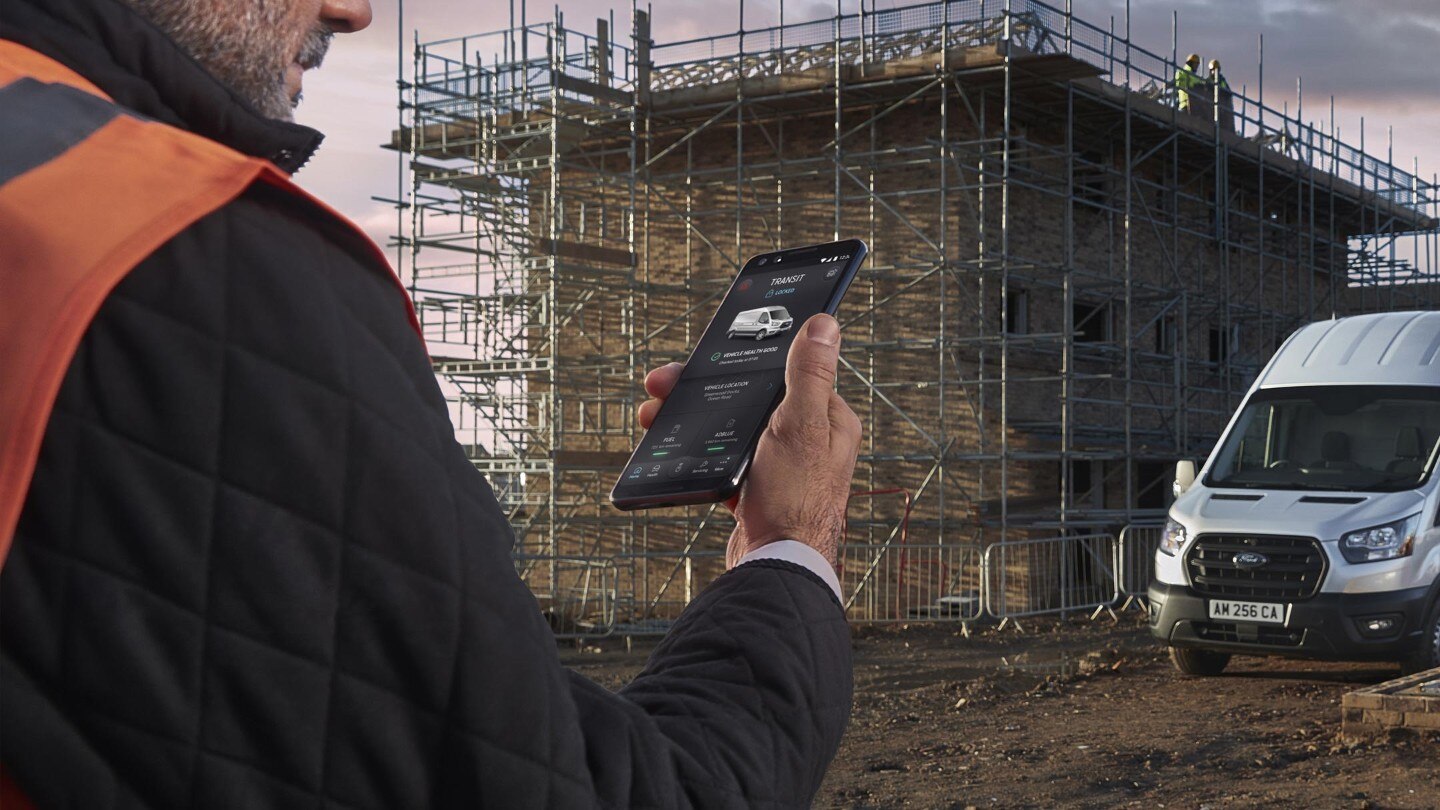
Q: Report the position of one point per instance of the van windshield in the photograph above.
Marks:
(1372, 438)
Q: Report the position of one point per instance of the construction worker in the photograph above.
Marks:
(1188, 85)
(248, 563)
(1221, 97)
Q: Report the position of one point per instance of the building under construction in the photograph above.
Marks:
(1071, 281)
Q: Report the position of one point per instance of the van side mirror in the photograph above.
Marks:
(1184, 476)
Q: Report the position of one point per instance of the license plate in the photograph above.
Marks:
(1262, 612)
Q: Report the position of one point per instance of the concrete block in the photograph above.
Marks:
(1383, 718)
(1362, 700)
(1402, 703)
(1395, 703)
(1425, 721)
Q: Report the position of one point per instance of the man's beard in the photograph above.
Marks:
(243, 43)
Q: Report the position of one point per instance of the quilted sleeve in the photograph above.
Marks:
(742, 705)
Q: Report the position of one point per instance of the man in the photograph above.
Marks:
(1222, 98)
(250, 565)
(1188, 84)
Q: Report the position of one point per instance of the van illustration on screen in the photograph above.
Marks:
(760, 323)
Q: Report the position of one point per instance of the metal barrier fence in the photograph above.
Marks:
(911, 583)
(895, 581)
(660, 584)
(580, 598)
(1138, 542)
(1050, 575)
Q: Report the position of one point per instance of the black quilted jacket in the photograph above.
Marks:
(254, 568)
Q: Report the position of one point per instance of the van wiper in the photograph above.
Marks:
(1329, 487)
(1282, 485)
(1232, 484)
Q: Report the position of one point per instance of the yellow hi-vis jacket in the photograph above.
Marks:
(1186, 80)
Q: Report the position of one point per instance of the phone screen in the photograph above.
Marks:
(698, 447)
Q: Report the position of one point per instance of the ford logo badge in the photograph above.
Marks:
(1249, 559)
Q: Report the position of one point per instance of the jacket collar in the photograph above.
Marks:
(144, 70)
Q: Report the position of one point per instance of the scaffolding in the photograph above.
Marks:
(1071, 282)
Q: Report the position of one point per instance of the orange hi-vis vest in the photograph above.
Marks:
(87, 191)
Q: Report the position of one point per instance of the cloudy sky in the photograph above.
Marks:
(1377, 58)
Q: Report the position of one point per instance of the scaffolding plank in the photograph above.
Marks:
(448, 139)
(585, 253)
(592, 459)
(490, 368)
(592, 89)
(458, 178)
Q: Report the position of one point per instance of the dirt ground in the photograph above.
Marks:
(1089, 714)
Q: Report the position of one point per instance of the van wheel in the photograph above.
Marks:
(760, 335)
(1427, 656)
(1192, 661)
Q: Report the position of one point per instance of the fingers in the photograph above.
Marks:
(810, 373)
(646, 414)
(659, 382)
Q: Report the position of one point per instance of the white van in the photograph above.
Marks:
(1311, 530)
(760, 323)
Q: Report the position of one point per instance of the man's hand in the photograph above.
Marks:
(799, 482)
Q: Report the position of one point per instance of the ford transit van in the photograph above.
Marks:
(1311, 530)
(760, 323)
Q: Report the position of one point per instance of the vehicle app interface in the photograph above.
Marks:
(735, 372)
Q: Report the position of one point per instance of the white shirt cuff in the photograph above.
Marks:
(794, 551)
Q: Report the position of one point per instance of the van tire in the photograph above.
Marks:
(760, 335)
(1196, 662)
(1427, 655)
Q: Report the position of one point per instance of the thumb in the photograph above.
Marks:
(810, 371)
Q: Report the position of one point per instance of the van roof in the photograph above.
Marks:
(1390, 348)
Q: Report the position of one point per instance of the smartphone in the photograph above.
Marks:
(700, 445)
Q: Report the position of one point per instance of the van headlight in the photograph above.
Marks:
(1381, 542)
(1173, 538)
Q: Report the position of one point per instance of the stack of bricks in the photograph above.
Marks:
(1411, 703)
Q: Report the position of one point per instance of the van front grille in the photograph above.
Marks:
(1293, 567)
(1232, 633)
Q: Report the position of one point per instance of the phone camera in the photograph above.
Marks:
(762, 261)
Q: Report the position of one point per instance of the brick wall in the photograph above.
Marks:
(1393, 705)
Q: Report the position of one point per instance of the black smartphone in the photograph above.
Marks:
(699, 446)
